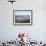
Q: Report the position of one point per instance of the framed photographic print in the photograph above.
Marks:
(22, 17)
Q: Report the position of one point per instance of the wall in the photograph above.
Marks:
(38, 30)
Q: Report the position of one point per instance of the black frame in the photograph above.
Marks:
(24, 24)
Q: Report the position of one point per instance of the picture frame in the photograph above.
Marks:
(22, 17)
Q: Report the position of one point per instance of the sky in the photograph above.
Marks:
(22, 12)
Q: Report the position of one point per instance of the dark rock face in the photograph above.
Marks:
(44, 45)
